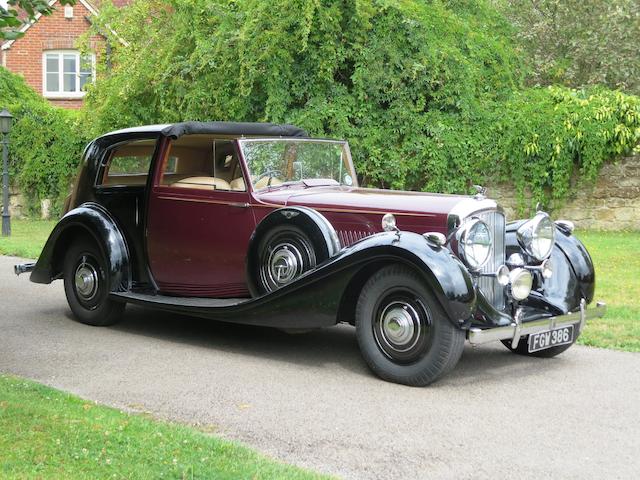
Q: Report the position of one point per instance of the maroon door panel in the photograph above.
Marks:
(197, 241)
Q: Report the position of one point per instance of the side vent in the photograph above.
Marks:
(349, 237)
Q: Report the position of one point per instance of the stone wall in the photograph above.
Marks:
(17, 207)
(611, 203)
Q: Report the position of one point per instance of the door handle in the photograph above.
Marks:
(239, 204)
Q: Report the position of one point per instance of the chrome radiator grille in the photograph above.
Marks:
(490, 288)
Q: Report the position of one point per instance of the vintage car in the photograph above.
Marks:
(260, 224)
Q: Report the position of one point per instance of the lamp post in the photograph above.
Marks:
(5, 127)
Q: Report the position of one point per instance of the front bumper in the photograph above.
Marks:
(518, 329)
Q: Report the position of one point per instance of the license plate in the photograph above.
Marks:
(550, 338)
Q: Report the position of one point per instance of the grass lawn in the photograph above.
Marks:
(46, 433)
(616, 256)
(27, 238)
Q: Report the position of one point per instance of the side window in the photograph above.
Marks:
(201, 162)
(128, 163)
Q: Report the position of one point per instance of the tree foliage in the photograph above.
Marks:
(19, 12)
(579, 42)
(428, 93)
(395, 78)
(46, 143)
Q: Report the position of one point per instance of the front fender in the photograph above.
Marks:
(580, 261)
(444, 274)
(573, 273)
(92, 220)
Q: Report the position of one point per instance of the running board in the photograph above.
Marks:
(163, 300)
(276, 309)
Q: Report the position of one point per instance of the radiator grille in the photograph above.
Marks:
(490, 288)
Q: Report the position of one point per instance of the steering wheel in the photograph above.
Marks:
(269, 173)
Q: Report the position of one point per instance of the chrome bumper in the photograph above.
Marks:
(518, 329)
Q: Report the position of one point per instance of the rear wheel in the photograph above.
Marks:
(86, 285)
(403, 333)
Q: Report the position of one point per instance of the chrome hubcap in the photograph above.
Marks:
(284, 263)
(86, 280)
(400, 326)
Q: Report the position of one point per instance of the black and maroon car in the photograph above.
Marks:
(261, 224)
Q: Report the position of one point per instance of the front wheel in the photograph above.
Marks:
(403, 333)
(86, 285)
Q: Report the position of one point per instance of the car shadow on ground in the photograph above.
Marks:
(326, 346)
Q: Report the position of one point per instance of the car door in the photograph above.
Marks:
(120, 187)
(199, 226)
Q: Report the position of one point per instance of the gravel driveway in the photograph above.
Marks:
(310, 400)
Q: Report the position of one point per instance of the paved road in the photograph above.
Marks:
(310, 400)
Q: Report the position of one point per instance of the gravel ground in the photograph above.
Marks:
(310, 400)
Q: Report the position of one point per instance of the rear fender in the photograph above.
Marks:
(88, 220)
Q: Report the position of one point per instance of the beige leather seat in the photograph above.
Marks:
(203, 183)
(238, 184)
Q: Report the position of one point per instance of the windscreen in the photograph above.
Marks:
(274, 162)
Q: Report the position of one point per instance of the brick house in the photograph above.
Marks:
(47, 55)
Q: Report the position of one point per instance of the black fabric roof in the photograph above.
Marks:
(177, 130)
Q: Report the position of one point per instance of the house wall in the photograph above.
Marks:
(52, 32)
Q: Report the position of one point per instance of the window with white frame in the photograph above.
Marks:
(66, 72)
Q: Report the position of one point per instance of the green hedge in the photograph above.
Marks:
(46, 144)
(545, 136)
(429, 93)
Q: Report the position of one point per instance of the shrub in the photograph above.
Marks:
(429, 93)
(546, 136)
(46, 143)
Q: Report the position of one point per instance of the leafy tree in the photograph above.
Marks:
(46, 143)
(579, 42)
(11, 19)
(429, 93)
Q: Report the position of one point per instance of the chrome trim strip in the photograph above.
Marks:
(513, 332)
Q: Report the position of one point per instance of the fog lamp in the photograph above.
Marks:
(502, 275)
(521, 283)
(389, 222)
(547, 268)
